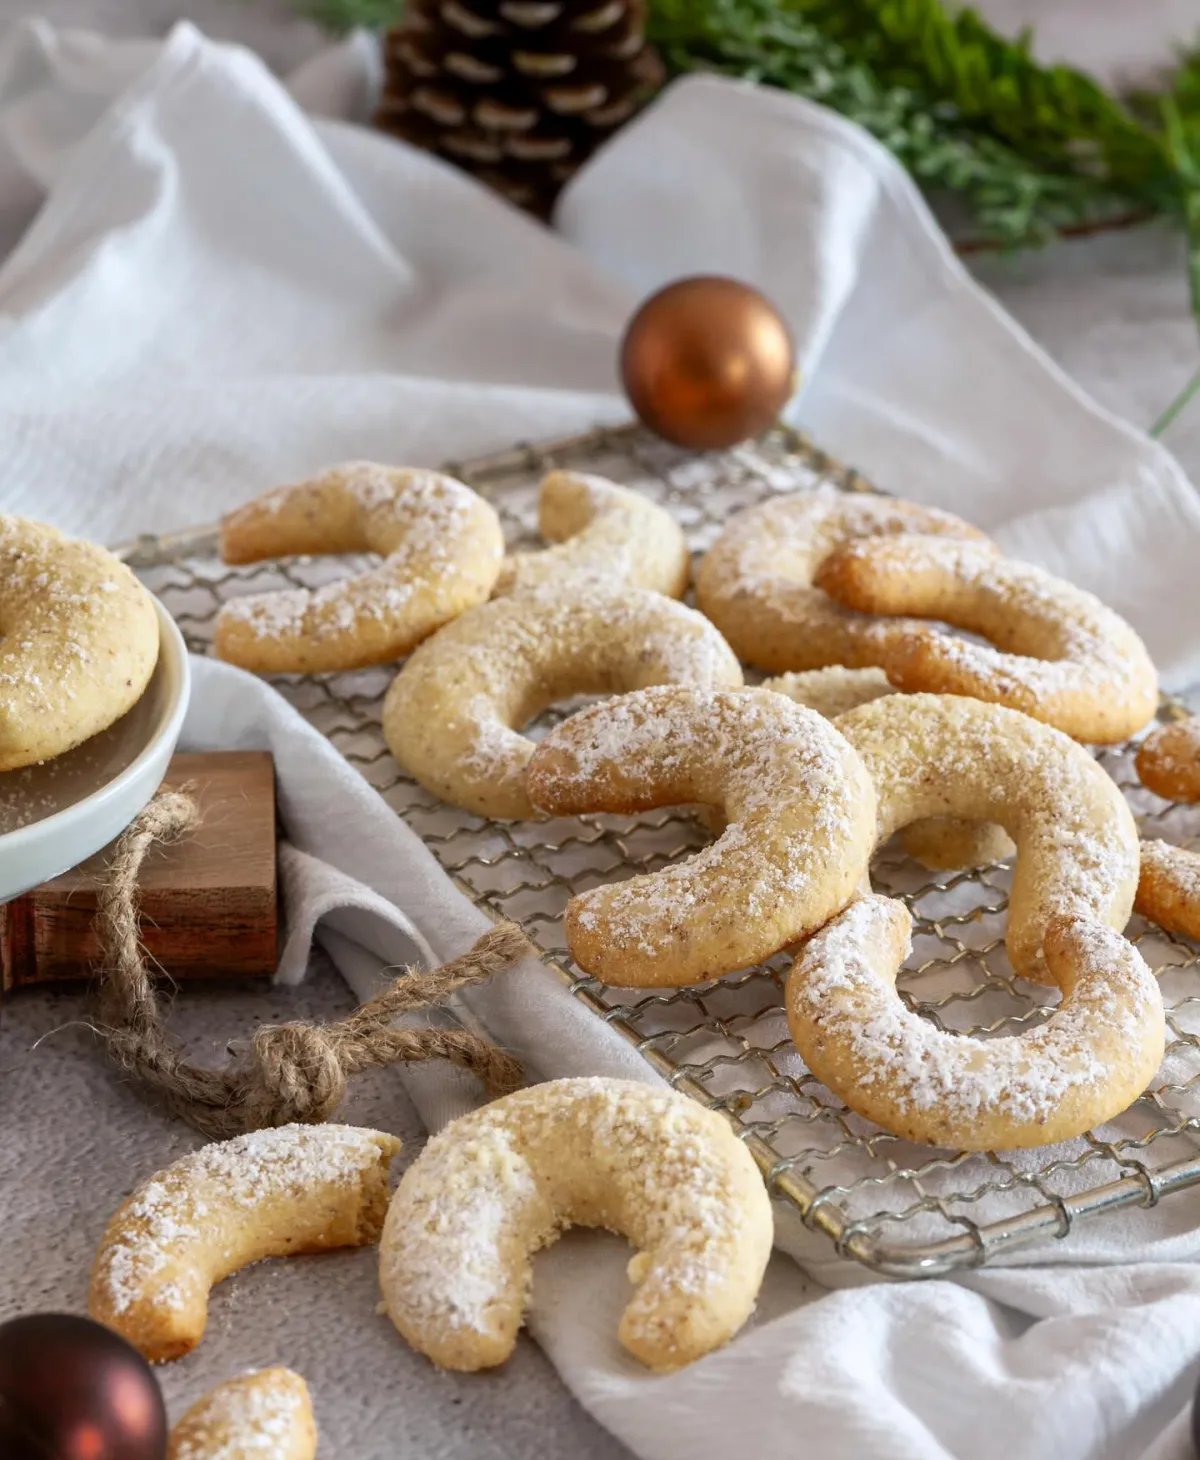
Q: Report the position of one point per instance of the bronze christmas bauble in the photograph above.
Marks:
(707, 362)
(71, 1389)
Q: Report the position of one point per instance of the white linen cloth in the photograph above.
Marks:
(218, 294)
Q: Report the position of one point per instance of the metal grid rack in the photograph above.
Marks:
(900, 1209)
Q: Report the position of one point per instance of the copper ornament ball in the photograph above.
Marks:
(71, 1389)
(708, 362)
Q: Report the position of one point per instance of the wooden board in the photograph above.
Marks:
(209, 903)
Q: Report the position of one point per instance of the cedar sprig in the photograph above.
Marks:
(339, 17)
(1053, 115)
(1012, 199)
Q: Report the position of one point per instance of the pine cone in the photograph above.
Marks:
(519, 93)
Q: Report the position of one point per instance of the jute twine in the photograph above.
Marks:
(289, 1072)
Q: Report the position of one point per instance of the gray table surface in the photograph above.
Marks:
(1112, 310)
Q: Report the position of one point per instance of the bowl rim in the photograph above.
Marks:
(173, 659)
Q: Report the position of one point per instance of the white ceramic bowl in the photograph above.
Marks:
(55, 815)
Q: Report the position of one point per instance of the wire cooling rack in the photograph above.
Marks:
(898, 1208)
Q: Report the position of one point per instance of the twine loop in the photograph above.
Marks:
(289, 1072)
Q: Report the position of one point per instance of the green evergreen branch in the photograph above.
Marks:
(1013, 199)
(1054, 115)
(1030, 150)
(339, 17)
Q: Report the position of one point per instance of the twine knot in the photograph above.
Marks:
(297, 1072)
(290, 1072)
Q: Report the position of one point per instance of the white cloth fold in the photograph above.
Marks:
(219, 293)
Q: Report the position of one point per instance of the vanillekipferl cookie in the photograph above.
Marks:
(1053, 651)
(1168, 760)
(603, 533)
(799, 812)
(79, 641)
(265, 1414)
(1088, 1062)
(454, 715)
(441, 546)
(1169, 888)
(949, 755)
(756, 582)
(1076, 872)
(498, 1184)
(271, 1193)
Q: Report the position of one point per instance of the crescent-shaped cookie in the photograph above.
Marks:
(1169, 888)
(78, 641)
(441, 547)
(799, 812)
(272, 1193)
(604, 533)
(1053, 651)
(834, 690)
(504, 1181)
(1168, 760)
(756, 582)
(943, 843)
(1089, 1061)
(453, 716)
(266, 1415)
(948, 755)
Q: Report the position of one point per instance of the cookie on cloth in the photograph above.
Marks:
(497, 1185)
(264, 1414)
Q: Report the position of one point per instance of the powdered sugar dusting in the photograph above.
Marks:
(833, 691)
(777, 545)
(506, 1180)
(1176, 866)
(1049, 639)
(605, 533)
(429, 528)
(756, 582)
(379, 595)
(947, 755)
(798, 803)
(841, 989)
(455, 711)
(1168, 760)
(257, 1414)
(153, 1231)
